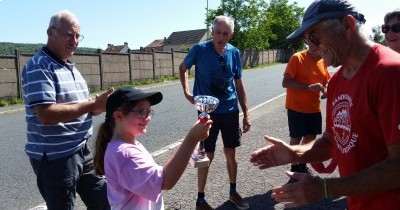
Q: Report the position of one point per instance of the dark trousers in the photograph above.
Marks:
(59, 181)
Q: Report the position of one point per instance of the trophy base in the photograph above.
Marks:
(199, 163)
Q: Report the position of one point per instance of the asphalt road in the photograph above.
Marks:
(174, 116)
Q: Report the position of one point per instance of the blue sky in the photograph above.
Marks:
(137, 22)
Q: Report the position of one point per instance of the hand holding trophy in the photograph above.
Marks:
(204, 104)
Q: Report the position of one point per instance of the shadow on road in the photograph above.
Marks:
(265, 202)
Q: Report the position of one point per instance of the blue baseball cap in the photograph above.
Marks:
(322, 10)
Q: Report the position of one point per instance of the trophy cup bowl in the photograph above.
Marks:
(204, 104)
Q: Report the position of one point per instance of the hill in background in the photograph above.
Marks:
(8, 48)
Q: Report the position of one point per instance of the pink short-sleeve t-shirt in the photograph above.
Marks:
(134, 180)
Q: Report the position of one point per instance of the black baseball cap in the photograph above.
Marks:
(126, 95)
(322, 10)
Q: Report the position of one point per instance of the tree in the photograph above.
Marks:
(377, 35)
(259, 26)
(251, 31)
(8, 48)
(284, 19)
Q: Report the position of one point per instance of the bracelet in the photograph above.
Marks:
(325, 188)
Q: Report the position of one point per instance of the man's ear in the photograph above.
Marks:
(49, 31)
(231, 36)
(349, 22)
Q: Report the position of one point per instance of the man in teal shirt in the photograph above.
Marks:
(218, 73)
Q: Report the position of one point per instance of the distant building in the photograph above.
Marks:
(156, 45)
(183, 40)
(117, 48)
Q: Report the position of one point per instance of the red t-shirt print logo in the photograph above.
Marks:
(345, 139)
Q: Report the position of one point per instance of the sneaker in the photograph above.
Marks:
(293, 168)
(204, 206)
(236, 199)
(299, 168)
(302, 168)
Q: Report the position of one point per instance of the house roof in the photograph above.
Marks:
(186, 37)
(117, 48)
(156, 43)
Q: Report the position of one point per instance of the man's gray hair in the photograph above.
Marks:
(56, 19)
(228, 20)
(336, 22)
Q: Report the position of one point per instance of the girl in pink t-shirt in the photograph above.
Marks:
(134, 180)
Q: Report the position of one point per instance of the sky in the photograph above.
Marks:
(137, 22)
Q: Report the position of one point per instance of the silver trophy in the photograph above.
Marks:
(204, 104)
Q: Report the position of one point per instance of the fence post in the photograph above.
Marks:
(101, 70)
(262, 57)
(130, 66)
(173, 62)
(154, 64)
(273, 55)
(18, 74)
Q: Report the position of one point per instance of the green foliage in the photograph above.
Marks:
(250, 32)
(259, 26)
(8, 48)
(5, 101)
(284, 19)
(377, 35)
(141, 82)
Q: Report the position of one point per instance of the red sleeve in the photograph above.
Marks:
(387, 97)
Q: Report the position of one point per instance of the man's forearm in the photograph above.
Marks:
(183, 77)
(382, 176)
(242, 98)
(56, 113)
(315, 151)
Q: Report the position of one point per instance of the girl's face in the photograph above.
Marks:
(135, 121)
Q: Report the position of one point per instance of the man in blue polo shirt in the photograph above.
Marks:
(218, 73)
(59, 120)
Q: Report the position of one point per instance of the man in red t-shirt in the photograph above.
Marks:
(362, 122)
(305, 78)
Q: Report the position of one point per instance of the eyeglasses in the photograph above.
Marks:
(143, 113)
(311, 39)
(395, 28)
(222, 63)
(69, 36)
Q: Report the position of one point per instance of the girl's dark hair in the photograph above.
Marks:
(391, 15)
(104, 135)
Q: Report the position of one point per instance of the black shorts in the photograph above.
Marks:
(302, 124)
(228, 124)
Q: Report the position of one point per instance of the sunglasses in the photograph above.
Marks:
(222, 63)
(395, 28)
(311, 39)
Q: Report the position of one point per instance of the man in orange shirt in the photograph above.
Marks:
(305, 77)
